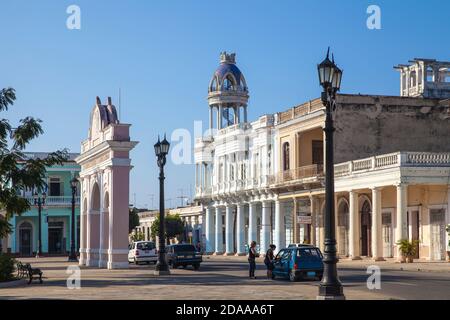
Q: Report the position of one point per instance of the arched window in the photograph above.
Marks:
(229, 82)
(286, 164)
(213, 86)
(413, 78)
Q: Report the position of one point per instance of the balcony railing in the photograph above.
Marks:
(300, 173)
(397, 159)
(56, 200)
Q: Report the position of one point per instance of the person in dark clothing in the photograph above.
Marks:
(252, 255)
(268, 260)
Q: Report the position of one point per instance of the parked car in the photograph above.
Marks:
(298, 262)
(183, 255)
(142, 251)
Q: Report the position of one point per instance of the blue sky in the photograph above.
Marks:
(162, 55)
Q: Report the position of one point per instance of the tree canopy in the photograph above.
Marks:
(173, 226)
(17, 172)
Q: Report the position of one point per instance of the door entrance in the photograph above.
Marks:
(386, 221)
(55, 237)
(366, 225)
(437, 222)
(413, 229)
(25, 236)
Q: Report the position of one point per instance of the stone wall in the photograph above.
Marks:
(371, 125)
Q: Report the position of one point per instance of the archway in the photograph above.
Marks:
(366, 225)
(105, 168)
(26, 239)
(343, 228)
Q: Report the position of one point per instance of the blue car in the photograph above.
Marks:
(298, 262)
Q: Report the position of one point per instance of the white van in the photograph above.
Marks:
(142, 251)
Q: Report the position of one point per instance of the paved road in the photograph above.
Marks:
(220, 279)
(395, 284)
(401, 284)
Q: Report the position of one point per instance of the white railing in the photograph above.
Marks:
(397, 159)
(56, 200)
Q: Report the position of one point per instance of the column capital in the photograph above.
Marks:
(376, 188)
(401, 184)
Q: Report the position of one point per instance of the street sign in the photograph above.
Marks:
(304, 219)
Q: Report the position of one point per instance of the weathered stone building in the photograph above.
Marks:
(392, 172)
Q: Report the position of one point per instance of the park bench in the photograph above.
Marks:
(33, 273)
(22, 270)
(25, 270)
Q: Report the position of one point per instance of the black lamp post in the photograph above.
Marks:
(161, 151)
(330, 79)
(73, 254)
(39, 202)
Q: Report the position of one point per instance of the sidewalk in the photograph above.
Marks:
(389, 264)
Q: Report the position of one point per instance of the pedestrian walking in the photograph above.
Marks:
(268, 260)
(252, 255)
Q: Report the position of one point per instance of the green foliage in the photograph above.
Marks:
(173, 226)
(138, 236)
(18, 173)
(7, 267)
(407, 248)
(133, 219)
(5, 227)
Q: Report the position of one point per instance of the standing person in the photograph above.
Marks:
(268, 260)
(199, 247)
(252, 255)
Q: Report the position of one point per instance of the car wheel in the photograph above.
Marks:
(292, 276)
(196, 266)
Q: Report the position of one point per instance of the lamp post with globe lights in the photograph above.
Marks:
(161, 151)
(330, 79)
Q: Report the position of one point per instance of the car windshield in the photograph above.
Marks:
(145, 245)
(184, 248)
(309, 253)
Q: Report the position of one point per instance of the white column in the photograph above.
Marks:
(313, 220)
(219, 117)
(280, 231)
(377, 246)
(265, 227)
(209, 235)
(229, 230)
(354, 228)
(447, 238)
(245, 114)
(252, 222)
(218, 231)
(402, 209)
(240, 227)
(210, 120)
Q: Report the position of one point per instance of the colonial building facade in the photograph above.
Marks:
(264, 180)
(56, 222)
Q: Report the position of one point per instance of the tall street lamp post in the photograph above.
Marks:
(330, 79)
(39, 202)
(161, 151)
(73, 254)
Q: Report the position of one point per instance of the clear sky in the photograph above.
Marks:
(162, 55)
